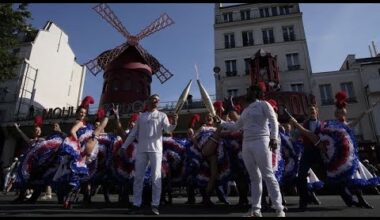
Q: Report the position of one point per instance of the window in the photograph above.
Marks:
(274, 11)
(229, 40)
(264, 12)
(247, 38)
(284, 10)
(349, 89)
(232, 92)
(247, 62)
(293, 62)
(268, 37)
(245, 15)
(288, 33)
(297, 87)
(230, 68)
(326, 94)
(227, 17)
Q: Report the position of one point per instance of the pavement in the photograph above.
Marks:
(332, 206)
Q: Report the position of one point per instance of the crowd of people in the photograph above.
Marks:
(246, 146)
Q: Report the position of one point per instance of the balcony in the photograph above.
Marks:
(327, 101)
(294, 67)
(352, 100)
(231, 74)
(195, 104)
(236, 17)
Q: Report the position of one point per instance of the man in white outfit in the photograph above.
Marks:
(258, 140)
(148, 133)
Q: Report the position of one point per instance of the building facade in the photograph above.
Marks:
(360, 78)
(48, 77)
(242, 30)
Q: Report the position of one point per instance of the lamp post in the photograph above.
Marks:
(216, 70)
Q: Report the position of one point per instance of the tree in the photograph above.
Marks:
(14, 30)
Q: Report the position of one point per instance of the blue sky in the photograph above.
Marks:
(332, 31)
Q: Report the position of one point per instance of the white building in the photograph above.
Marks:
(360, 78)
(241, 30)
(48, 77)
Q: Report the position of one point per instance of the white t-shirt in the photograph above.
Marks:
(148, 131)
(255, 120)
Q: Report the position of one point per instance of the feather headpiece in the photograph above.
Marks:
(341, 99)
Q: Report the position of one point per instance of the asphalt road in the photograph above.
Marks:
(331, 206)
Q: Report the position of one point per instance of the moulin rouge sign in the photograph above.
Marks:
(50, 113)
(69, 112)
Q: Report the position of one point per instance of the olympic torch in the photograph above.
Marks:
(182, 99)
(206, 99)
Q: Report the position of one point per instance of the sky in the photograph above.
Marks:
(332, 32)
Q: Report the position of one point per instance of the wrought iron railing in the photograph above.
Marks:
(165, 106)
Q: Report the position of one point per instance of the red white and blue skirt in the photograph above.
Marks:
(123, 167)
(223, 162)
(340, 154)
(72, 165)
(38, 162)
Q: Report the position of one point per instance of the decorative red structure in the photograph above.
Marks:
(264, 69)
(128, 68)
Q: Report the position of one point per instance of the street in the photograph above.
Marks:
(332, 205)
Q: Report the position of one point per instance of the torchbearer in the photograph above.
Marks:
(148, 132)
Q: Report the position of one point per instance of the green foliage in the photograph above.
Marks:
(13, 25)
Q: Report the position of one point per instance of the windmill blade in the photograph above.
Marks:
(160, 23)
(93, 66)
(108, 57)
(107, 14)
(101, 62)
(163, 74)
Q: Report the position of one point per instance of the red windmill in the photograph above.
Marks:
(128, 68)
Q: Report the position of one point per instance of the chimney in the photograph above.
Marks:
(374, 48)
(370, 50)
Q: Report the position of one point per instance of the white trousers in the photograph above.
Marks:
(141, 162)
(258, 161)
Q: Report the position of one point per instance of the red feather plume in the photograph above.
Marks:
(238, 108)
(100, 114)
(196, 118)
(262, 86)
(87, 101)
(134, 117)
(218, 105)
(341, 99)
(273, 103)
(38, 121)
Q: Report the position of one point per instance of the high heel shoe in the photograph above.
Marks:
(364, 204)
